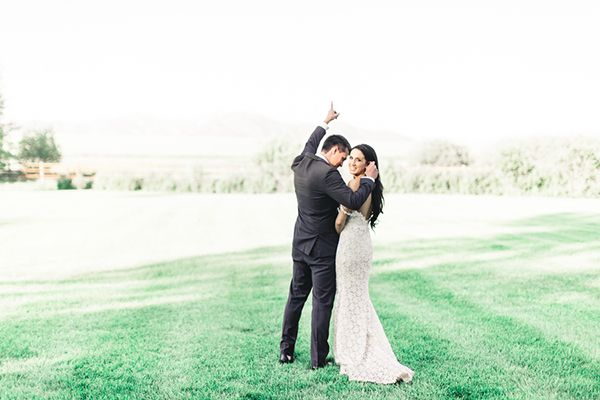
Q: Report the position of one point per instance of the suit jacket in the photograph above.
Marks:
(319, 190)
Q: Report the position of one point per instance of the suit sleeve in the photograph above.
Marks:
(313, 141)
(311, 145)
(337, 190)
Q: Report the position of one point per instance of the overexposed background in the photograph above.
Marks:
(135, 84)
(186, 78)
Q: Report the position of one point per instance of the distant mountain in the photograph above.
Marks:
(234, 134)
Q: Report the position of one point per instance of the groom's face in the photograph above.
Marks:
(338, 157)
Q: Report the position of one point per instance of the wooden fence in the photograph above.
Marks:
(34, 171)
(49, 171)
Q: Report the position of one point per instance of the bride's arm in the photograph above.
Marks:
(340, 221)
(343, 212)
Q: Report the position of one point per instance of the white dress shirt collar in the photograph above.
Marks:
(319, 154)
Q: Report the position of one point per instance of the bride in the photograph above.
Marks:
(360, 347)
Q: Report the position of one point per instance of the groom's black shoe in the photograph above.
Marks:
(286, 358)
(327, 363)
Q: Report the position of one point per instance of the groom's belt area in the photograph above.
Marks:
(326, 227)
(317, 223)
(319, 245)
(327, 236)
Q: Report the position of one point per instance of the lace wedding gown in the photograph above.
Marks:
(360, 346)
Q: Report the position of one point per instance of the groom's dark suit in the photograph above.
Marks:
(319, 190)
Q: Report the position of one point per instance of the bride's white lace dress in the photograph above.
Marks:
(360, 346)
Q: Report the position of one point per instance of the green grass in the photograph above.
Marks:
(512, 316)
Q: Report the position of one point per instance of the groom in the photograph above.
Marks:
(319, 191)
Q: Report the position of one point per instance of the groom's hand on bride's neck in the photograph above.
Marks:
(372, 170)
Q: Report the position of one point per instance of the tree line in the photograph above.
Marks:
(35, 146)
(559, 167)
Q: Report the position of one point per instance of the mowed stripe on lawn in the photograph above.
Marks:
(490, 322)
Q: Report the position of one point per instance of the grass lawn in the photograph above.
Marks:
(516, 315)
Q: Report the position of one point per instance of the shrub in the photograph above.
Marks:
(11, 176)
(274, 172)
(519, 166)
(444, 154)
(64, 183)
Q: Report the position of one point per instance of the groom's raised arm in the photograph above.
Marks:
(312, 144)
(315, 138)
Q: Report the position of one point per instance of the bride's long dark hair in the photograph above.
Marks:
(377, 193)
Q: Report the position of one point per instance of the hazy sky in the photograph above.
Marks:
(458, 69)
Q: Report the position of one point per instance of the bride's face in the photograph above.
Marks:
(356, 162)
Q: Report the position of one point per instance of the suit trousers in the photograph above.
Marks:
(316, 273)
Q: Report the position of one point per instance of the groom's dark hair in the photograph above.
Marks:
(336, 140)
